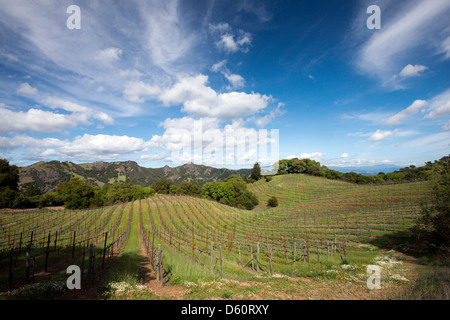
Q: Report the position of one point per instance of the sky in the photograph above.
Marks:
(224, 82)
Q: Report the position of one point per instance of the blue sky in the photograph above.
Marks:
(166, 82)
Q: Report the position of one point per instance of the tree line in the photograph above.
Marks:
(77, 193)
(314, 168)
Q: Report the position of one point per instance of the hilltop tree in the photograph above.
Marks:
(9, 182)
(256, 172)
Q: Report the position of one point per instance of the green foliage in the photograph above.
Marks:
(162, 186)
(9, 180)
(31, 189)
(436, 215)
(119, 192)
(314, 168)
(256, 172)
(268, 178)
(189, 188)
(75, 193)
(233, 192)
(173, 189)
(272, 202)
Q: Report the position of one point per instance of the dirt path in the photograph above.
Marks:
(152, 284)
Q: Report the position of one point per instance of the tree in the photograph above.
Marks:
(256, 172)
(272, 202)
(9, 183)
(75, 193)
(162, 186)
(436, 216)
(31, 189)
(189, 188)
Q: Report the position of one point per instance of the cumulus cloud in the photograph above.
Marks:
(417, 106)
(229, 41)
(26, 89)
(34, 120)
(27, 141)
(92, 147)
(205, 141)
(412, 71)
(235, 80)
(199, 100)
(344, 155)
(380, 135)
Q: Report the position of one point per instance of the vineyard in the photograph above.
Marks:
(323, 230)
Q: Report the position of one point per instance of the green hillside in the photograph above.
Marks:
(47, 175)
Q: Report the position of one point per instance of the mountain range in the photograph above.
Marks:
(47, 175)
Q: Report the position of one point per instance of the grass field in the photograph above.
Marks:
(316, 244)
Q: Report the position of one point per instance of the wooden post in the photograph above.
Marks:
(269, 252)
(240, 261)
(73, 245)
(104, 249)
(56, 239)
(307, 249)
(257, 256)
(221, 261)
(82, 263)
(253, 264)
(27, 263)
(318, 254)
(295, 252)
(10, 282)
(212, 258)
(91, 262)
(160, 266)
(47, 253)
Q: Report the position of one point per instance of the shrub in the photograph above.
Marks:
(273, 202)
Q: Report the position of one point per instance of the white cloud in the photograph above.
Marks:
(344, 155)
(26, 89)
(412, 71)
(199, 100)
(34, 120)
(446, 127)
(79, 112)
(229, 41)
(134, 91)
(235, 80)
(108, 55)
(204, 141)
(27, 141)
(446, 47)
(439, 105)
(400, 35)
(92, 147)
(313, 156)
(380, 135)
(218, 66)
(417, 106)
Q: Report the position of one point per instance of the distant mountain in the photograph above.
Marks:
(47, 175)
(368, 170)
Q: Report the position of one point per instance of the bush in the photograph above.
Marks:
(273, 202)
